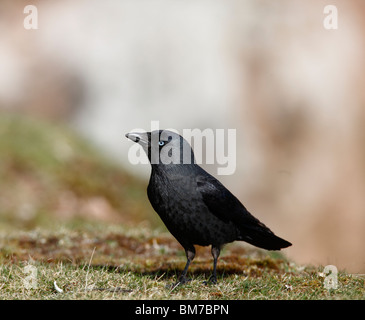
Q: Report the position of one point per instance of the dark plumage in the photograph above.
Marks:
(195, 207)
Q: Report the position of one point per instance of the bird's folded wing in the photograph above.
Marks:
(221, 202)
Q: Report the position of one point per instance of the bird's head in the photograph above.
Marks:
(164, 147)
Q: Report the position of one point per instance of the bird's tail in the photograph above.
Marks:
(261, 236)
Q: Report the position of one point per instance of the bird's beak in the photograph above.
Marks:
(141, 138)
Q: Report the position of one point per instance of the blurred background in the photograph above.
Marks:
(94, 70)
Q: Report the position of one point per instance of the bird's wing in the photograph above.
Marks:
(223, 204)
(220, 201)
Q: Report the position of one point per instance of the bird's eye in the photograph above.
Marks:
(161, 143)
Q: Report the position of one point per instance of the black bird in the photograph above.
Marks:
(195, 207)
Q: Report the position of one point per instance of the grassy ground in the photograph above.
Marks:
(111, 262)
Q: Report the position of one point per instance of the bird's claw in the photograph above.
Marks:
(180, 281)
(183, 280)
(211, 280)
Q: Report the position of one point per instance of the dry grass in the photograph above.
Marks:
(110, 262)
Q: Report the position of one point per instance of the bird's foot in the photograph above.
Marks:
(182, 280)
(211, 280)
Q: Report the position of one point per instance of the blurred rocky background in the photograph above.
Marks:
(94, 70)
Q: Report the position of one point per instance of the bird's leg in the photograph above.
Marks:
(190, 254)
(215, 253)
